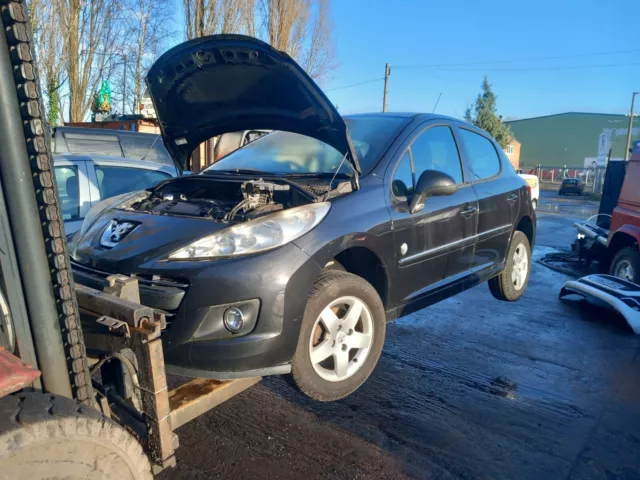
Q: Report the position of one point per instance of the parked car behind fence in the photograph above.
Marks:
(574, 186)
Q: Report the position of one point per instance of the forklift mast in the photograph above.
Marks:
(36, 274)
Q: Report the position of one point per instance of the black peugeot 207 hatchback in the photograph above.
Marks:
(291, 253)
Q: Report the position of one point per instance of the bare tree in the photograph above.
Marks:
(91, 38)
(206, 17)
(147, 26)
(249, 26)
(302, 28)
(318, 59)
(48, 43)
(285, 23)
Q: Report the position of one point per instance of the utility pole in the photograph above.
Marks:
(633, 99)
(124, 83)
(387, 72)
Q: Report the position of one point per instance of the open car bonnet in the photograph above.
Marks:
(227, 83)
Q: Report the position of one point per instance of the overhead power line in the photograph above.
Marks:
(533, 69)
(438, 68)
(355, 84)
(518, 60)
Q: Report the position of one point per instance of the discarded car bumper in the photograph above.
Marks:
(618, 294)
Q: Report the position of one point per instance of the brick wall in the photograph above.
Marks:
(513, 153)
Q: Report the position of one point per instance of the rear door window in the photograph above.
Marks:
(114, 181)
(483, 160)
(69, 191)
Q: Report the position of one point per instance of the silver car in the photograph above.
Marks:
(84, 180)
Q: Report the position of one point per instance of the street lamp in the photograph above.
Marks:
(633, 99)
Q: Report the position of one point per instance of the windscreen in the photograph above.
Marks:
(290, 153)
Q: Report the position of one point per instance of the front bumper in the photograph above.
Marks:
(192, 292)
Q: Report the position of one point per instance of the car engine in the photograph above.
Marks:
(228, 201)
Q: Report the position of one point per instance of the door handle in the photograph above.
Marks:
(468, 211)
(512, 198)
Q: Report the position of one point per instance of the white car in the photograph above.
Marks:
(84, 180)
(534, 185)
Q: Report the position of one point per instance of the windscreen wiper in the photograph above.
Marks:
(242, 171)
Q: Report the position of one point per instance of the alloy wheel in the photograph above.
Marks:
(341, 339)
(520, 266)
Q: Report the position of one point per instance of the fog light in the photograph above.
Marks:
(233, 319)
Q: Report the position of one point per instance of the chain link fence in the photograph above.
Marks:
(550, 178)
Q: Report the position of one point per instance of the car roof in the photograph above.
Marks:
(122, 161)
(423, 116)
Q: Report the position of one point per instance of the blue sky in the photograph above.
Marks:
(407, 33)
(369, 33)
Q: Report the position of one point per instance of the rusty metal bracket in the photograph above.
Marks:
(105, 304)
(117, 309)
(117, 326)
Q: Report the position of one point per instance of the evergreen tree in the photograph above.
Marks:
(483, 114)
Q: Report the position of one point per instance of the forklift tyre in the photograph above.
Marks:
(626, 264)
(46, 436)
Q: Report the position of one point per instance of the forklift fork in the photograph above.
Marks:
(114, 322)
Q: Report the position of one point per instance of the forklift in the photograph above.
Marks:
(83, 389)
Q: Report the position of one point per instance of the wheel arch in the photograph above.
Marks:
(527, 226)
(625, 236)
(360, 260)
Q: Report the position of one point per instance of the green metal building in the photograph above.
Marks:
(569, 138)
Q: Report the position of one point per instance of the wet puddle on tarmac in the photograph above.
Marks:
(573, 210)
(498, 386)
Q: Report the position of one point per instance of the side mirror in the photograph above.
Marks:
(431, 183)
(399, 188)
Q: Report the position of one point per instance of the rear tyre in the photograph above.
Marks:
(45, 436)
(510, 285)
(626, 264)
(341, 337)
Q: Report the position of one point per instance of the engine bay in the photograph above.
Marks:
(225, 200)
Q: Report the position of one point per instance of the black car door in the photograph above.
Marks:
(498, 196)
(437, 242)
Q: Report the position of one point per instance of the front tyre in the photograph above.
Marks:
(510, 285)
(341, 337)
